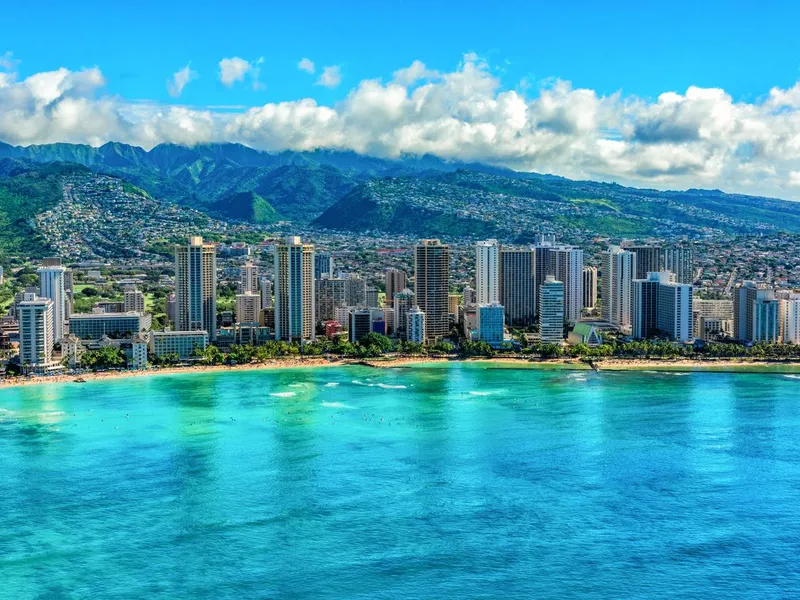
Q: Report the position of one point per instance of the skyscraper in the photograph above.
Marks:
(766, 324)
(196, 287)
(681, 262)
(517, 286)
(619, 267)
(790, 313)
(644, 308)
(323, 265)
(551, 311)
(432, 282)
(589, 287)
(567, 267)
(248, 278)
(396, 280)
(743, 298)
(294, 290)
(675, 317)
(487, 271)
(51, 285)
(36, 339)
(542, 265)
(649, 259)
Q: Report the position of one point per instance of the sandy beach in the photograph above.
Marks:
(389, 362)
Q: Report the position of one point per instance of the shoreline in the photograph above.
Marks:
(522, 363)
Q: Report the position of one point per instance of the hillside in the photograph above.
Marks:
(465, 203)
(413, 195)
(245, 206)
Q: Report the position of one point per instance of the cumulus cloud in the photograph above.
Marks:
(306, 65)
(179, 80)
(330, 77)
(233, 70)
(8, 62)
(695, 138)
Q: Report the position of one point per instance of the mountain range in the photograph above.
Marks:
(416, 195)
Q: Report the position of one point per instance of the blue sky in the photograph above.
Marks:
(744, 47)
(668, 95)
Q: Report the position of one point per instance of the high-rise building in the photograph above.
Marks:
(619, 267)
(248, 307)
(675, 317)
(744, 297)
(294, 290)
(567, 267)
(649, 259)
(766, 322)
(196, 287)
(551, 311)
(36, 338)
(517, 286)
(589, 287)
(333, 293)
(542, 265)
(644, 307)
(681, 262)
(248, 278)
(491, 323)
(266, 293)
(51, 285)
(171, 312)
(790, 318)
(323, 265)
(487, 271)
(432, 282)
(662, 306)
(403, 302)
(396, 281)
(415, 325)
(133, 300)
(68, 281)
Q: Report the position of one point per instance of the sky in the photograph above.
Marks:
(668, 95)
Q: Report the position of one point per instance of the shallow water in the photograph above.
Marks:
(448, 481)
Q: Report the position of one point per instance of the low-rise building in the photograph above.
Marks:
(118, 325)
(183, 343)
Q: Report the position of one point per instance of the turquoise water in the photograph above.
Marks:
(455, 481)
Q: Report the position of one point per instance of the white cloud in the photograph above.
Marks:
(696, 138)
(233, 70)
(330, 77)
(8, 62)
(179, 80)
(306, 65)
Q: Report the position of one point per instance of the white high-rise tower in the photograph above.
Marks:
(487, 271)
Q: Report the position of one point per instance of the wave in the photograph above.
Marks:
(792, 376)
(357, 382)
(336, 405)
(284, 394)
(474, 393)
(296, 385)
(386, 386)
(331, 384)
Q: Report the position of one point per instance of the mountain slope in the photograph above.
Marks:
(245, 206)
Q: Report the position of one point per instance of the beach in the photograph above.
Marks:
(392, 361)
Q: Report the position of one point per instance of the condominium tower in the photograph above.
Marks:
(51, 285)
(294, 290)
(196, 287)
(487, 271)
(432, 283)
(619, 268)
(517, 286)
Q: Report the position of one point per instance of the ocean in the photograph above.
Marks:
(435, 481)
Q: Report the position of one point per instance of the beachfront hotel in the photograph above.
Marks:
(196, 287)
(36, 338)
(51, 285)
(619, 271)
(432, 282)
(517, 286)
(551, 311)
(294, 290)
(487, 271)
